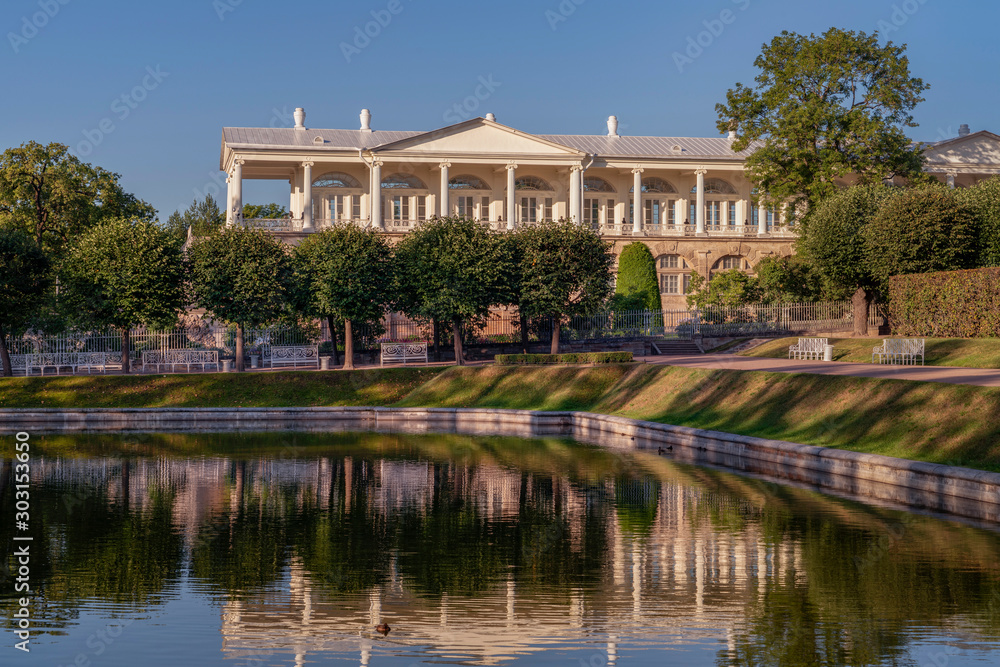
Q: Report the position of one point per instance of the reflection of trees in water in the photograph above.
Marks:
(461, 515)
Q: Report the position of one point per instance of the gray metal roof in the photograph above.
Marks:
(628, 147)
(604, 146)
(286, 137)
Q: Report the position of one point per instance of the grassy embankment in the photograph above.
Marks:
(971, 353)
(941, 423)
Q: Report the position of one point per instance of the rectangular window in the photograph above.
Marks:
(529, 209)
(713, 213)
(671, 209)
(609, 214)
(631, 213)
(400, 210)
(669, 261)
(687, 283)
(732, 214)
(668, 284)
(421, 207)
(548, 208)
(356, 206)
(652, 213)
(592, 212)
(484, 209)
(463, 207)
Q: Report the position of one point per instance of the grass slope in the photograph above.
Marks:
(967, 352)
(211, 390)
(953, 424)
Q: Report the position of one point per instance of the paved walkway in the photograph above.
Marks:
(949, 374)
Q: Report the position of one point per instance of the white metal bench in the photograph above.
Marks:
(899, 351)
(293, 355)
(403, 352)
(808, 348)
(180, 357)
(72, 360)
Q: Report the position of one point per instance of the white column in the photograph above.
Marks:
(511, 194)
(699, 207)
(741, 213)
(237, 205)
(307, 196)
(292, 201)
(376, 195)
(637, 200)
(575, 190)
(951, 180)
(229, 201)
(443, 208)
(761, 219)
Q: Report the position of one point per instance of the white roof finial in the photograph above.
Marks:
(366, 120)
(612, 126)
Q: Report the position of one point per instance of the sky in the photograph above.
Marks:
(144, 88)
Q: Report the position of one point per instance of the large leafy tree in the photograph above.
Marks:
(834, 242)
(124, 273)
(451, 270)
(202, 218)
(50, 194)
(24, 279)
(919, 231)
(565, 271)
(348, 275)
(822, 108)
(243, 277)
(729, 289)
(271, 210)
(983, 199)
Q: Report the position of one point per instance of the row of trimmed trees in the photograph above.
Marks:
(126, 273)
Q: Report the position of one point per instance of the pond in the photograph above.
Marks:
(292, 549)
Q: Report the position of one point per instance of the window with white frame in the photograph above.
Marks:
(670, 284)
(336, 197)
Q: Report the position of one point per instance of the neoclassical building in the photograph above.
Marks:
(686, 198)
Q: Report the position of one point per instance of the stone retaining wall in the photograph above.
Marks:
(961, 491)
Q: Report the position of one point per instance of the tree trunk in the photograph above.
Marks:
(348, 346)
(555, 336)
(437, 339)
(7, 370)
(126, 352)
(524, 332)
(333, 339)
(239, 348)
(860, 303)
(456, 326)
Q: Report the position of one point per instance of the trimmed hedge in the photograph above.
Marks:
(947, 304)
(572, 358)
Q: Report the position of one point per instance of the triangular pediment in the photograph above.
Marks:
(980, 148)
(478, 137)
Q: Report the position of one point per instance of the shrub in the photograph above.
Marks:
(637, 277)
(948, 304)
(983, 199)
(571, 358)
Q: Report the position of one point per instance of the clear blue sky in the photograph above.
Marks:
(187, 68)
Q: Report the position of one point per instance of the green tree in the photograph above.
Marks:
(202, 217)
(637, 276)
(566, 271)
(271, 210)
(729, 289)
(349, 276)
(920, 231)
(833, 241)
(788, 279)
(242, 277)
(124, 273)
(983, 199)
(24, 280)
(823, 108)
(451, 270)
(50, 194)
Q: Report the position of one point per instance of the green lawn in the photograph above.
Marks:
(940, 423)
(971, 352)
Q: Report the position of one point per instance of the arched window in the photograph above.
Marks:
(336, 179)
(731, 262)
(467, 182)
(596, 184)
(671, 262)
(716, 186)
(673, 273)
(656, 185)
(531, 183)
(402, 182)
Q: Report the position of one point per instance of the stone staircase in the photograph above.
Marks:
(675, 347)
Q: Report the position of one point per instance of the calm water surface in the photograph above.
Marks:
(288, 549)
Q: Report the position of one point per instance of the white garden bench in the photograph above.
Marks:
(180, 357)
(72, 360)
(899, 351)
(808, 348)
(293, 355)
(403, 352)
